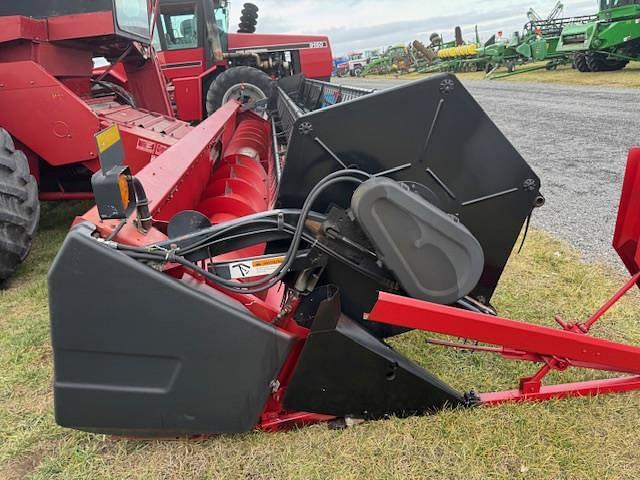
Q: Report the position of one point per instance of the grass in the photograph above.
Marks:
(627, 78)
(575, 439)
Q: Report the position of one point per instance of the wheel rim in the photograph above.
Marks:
(247, 95)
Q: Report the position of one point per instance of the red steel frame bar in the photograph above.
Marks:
(555, 349)
(57, 196)
(612, 301)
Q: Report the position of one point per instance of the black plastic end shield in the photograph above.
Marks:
(347, 372)
(441, 142)
(139, 353)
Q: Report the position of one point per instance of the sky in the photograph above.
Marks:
(363, 24)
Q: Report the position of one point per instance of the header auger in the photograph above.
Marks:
(249, 276)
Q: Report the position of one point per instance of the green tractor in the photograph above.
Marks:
(608, 43)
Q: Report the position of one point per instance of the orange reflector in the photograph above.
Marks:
(123, 185)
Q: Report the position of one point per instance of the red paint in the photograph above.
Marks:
(189, 62)
(22, 28)
(315, 50)
(45, 92)
(555, 349)
(627, 233)
(188, 96)
(567, 390)
(85, 25)
(579, 349)
(147, 85)
(45, 115)
(59, 196)
(116, 74)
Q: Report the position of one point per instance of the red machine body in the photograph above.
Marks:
(314, 50)
(49, 107)
(193, 51)
(189, 74)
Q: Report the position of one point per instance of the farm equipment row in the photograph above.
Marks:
(606, 41)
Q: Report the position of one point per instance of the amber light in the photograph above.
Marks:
(123, 185)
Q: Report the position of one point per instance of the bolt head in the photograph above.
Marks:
(305, 128)
(447, 86)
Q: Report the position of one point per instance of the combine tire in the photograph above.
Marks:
(246, 85)
(594, 62)
(580, 61)
(19, 207)
(599, 63)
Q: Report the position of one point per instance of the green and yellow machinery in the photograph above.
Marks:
(396, 59)
(454, 56)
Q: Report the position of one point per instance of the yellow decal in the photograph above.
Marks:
(108, 138)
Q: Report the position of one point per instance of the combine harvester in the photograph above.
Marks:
(248, 276)
(53, 103)
(607, 42)
(538, 43)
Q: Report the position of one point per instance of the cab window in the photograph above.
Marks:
(177, 28)
(132, 17)
(222, 18)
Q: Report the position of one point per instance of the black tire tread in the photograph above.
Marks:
(19, 207)
(234, 76)
(124, 94)
(597, 62)
(580, 61)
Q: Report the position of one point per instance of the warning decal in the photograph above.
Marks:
(255, 268)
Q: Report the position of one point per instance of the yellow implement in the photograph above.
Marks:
(458, 52)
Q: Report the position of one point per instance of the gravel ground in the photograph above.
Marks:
(576, 138)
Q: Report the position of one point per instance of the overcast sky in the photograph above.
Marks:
(360, 24)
